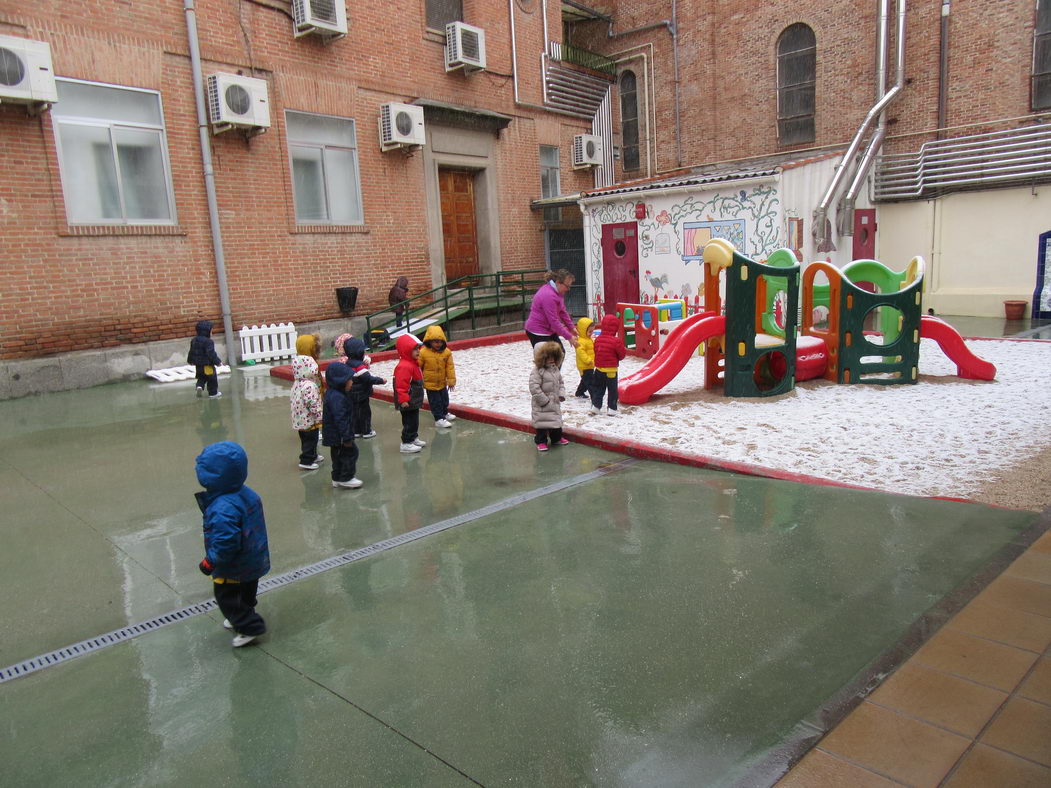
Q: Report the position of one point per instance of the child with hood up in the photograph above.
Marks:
(609, 350)
(548, 393)
(585, 356)
(408, 392)
(439, 375)
(361, 387)
(397, 294)
(205, 360)
(337, 427)
(306, 411)
(237, 552)
(310, 345)
(341, 349)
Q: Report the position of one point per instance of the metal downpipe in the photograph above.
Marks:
(209, 182)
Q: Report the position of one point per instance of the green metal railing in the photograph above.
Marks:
(593, 60)
(498, 293)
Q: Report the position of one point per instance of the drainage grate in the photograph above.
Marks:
(134, 630)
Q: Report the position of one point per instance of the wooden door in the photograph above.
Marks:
(459, 231)
(620, 265)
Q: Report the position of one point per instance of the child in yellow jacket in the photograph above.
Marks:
(585, 356)
(439, 375)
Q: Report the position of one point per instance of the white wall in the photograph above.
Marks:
(980, 247)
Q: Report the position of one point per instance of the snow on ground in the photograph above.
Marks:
(942, 436)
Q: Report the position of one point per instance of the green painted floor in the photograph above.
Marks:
(650, 624)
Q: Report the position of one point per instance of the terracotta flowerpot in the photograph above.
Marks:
(1015, 310)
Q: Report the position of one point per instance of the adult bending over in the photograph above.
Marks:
(548, 319)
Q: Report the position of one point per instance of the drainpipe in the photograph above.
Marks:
(943, 68)
(821, 212)
(673, 30)
(209, 181)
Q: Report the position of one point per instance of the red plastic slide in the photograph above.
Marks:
(672, 356)
(948, 338)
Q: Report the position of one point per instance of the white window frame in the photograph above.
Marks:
(293, 142)
(97, 122)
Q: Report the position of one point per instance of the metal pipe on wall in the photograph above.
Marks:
(209, 181)
(943, 67)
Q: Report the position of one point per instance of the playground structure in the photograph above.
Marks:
(863, 326)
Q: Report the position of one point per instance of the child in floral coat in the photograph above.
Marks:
(306, 410)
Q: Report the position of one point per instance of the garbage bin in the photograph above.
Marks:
(347, 298)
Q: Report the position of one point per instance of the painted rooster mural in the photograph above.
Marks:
(658, 283)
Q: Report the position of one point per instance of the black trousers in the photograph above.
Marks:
(206, 381)
(548, 435)
(308, 445)
(362, 417)
(344, 462)
(586, 381)
(410, 424)
(439, 402)
(237, 603)
(536, 339)
(603, 384)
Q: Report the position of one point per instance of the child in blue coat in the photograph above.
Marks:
(361, 387)
(337, 425)
(205, 360)
(237, 552)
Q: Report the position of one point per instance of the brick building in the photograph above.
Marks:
(106, 236)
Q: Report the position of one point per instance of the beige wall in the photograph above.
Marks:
(980, 247)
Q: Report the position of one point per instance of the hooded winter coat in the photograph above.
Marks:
(234, 528)
(306, 394)
(361, 388)
(586, 346)
(308, 345)
(408, 377)
(337, 423)
(609, 347)
(399, 293)
(437, 365)
(546, 388)
(202, 348)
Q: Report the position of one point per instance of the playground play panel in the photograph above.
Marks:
(579, 617)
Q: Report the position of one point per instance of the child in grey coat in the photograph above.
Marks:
(548, 393)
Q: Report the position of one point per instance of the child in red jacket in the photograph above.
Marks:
(609, 350)
(408, 392)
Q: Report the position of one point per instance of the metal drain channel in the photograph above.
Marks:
(123, 634)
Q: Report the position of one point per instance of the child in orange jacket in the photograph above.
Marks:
(408, 392)
(439, 375)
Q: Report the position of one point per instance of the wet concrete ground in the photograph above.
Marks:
(646, 624)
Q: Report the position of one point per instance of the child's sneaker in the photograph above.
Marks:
(227, 624)
(595, 411)
(450, 417)
(369, 434)
(351, 483)
(541, 447)
(443, 423)
(200, 391)
(242, 640)
(419, 443)
(216, 395)
(309, 466)
(611, 412)
(563, 441)
(409, 448)
(318, 458)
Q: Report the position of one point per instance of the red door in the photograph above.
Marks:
(864, 234)
(620, 265)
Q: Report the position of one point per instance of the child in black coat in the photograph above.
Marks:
(204, 358)
(361, 387)
(337, 425)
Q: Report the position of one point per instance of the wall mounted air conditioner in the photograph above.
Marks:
(326, 18)
(587, 151)
(25, 72)
(464, 47)
(240, 102)
(401, 126)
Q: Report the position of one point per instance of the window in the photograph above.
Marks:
(1042, 56)
(442, 12)
(326, 188)
(629, 121)
(796, 69)
(549, 183)
(112, 153)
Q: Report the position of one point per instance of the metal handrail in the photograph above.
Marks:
(471, 292)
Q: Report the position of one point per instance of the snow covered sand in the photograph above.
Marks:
(943, 436)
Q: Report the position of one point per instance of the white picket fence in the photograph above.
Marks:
(262, 343)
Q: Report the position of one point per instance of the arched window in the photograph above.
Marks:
(796, 69)
(1042, 56)
(629, 121)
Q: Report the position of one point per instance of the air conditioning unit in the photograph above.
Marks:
(464, 47)
(25, 72)
(326, 18)
(240, 102)
(587, 151)
(401, 126)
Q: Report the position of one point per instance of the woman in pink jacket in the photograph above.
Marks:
(548, 318)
